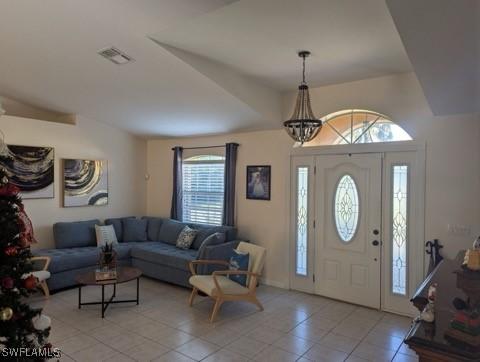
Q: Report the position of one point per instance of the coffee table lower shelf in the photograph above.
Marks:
(111, 300)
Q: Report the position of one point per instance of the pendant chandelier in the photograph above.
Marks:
(302, 125)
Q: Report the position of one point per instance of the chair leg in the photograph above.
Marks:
(255, 301)
(192, 296)
(216, 308)
(45, 289)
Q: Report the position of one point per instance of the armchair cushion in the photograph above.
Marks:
(41, 275)
(257, 257)
(206, 284)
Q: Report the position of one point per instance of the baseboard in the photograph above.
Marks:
(274, 283)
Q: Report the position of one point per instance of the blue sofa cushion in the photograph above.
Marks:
(164, 254)
(134, 230)
(170, 230)
(204, 231)
(71, 258)
(214, 239)
(118, 226)
(153, 227)
(75, 234)
(75, 258)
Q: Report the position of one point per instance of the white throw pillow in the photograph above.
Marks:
(105, 235)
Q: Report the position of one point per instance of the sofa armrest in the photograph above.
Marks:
(216, 252)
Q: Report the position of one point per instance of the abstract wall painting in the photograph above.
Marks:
(31, 169)
(85, 182)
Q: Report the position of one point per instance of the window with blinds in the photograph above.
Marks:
(203, 180)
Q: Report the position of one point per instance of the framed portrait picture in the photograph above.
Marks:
(258, 182)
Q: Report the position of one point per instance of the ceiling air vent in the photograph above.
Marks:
(115, 56)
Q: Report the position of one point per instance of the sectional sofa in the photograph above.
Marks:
(147, 243)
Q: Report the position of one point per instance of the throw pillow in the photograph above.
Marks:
(186, 237)
(239, 261)
(134, 230)
(105, 235)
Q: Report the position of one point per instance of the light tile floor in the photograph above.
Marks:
(294, 327)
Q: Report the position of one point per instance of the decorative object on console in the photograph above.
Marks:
(107, 269)
(258, 182)
(465, 325)
(428, 313)
(31, 169)
(434, 252)
(303, 126)
(85, 182)
(472, 256)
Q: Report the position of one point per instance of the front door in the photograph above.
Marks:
(348, 227)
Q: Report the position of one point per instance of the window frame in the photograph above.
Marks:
(202, 160)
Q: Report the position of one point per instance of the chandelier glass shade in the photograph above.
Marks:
(303, 126)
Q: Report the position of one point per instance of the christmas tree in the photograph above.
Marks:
(19, 323)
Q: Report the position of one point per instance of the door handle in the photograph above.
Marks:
(375, 242)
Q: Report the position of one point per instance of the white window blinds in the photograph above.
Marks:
(203, 180)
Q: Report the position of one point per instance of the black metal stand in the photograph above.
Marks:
(104, 303)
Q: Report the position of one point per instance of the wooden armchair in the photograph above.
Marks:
(43, 274)
(222, 289)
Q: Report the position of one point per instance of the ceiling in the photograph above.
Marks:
(201, 66)
(349, 40)
(444, 48)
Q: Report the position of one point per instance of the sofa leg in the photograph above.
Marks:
(216, 308)
(44, 287)
(192, 296)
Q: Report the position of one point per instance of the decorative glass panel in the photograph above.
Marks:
(399, 228)
(352, 126)
(302, 220)
(347, 208)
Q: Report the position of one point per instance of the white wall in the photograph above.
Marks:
(126, 156)
(453, 165)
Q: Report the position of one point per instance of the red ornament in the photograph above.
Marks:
(30, 282)
(7, 282)
(9, 190)
(26, 228)
(11, 251)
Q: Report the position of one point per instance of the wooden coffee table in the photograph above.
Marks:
(124, 274)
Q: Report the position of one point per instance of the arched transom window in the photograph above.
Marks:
(358, 126)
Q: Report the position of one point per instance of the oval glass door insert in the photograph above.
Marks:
(346, 208)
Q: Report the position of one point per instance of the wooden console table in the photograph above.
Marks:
(428, 340)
